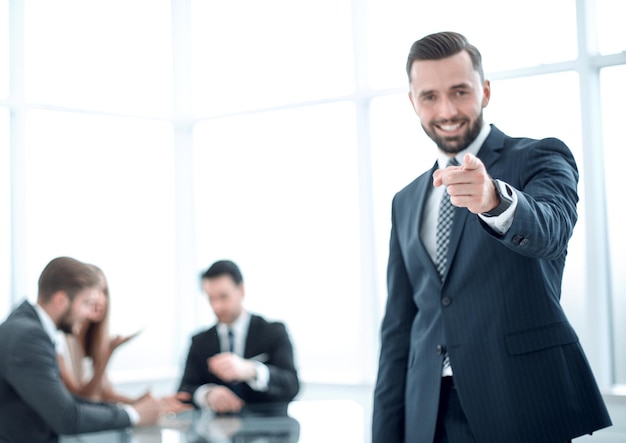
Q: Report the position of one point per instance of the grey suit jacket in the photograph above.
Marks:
(35, 406)
(519, 369)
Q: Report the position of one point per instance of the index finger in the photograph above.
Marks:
(470, 161)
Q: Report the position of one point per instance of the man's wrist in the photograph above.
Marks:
(253, 371)
(261, 380)
(133, 415)
(504, 194)
(201, 395)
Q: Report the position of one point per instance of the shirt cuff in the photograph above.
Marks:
(132, 414)
(501, 223)
(199, 397)
(261, 382)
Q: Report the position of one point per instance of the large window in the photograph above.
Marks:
(4, 49)
(93, 169)
(5, 213)
(249, 55)
(5, 164)
(505, 41)
(613, 97)
(101, 189)
(152, 137)
(278, 193)
(112, 56)
(610, 26)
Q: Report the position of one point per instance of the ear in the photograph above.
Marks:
(60, 300)
(412, 102)
(486, 93)
(56, 304)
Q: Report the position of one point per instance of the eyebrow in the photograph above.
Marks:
(454, 87)
(462, 86)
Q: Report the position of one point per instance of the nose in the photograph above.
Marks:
(217, 307)
(86, 311)
(447, 109)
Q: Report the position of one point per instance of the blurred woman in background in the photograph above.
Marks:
(83, 356)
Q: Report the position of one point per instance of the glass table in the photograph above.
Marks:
(299, 422)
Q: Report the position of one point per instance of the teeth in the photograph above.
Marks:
(450, 128)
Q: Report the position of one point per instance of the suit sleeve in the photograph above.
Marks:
(34, 374)
(196, 371)
(546, 214)
(388, 415)
(283, 383)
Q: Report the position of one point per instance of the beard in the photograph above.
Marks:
(454, 145)
(65, 323)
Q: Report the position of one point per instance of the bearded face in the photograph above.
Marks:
(462, 131)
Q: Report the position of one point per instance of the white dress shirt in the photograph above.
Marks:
(48, 325)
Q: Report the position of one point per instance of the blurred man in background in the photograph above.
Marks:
(243, 359)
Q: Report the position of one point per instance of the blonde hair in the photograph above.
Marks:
(94, 336)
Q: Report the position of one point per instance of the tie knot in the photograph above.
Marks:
(453, 162)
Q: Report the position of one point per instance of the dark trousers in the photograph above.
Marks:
(452, 426)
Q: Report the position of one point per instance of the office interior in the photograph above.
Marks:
(153, 137)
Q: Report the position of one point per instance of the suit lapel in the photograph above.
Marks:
(458, 224)
(490, 150)
(249, 346)
(417, 249)
(212, 341)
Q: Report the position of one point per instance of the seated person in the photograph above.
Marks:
(84, 354)
(243, 359)
(35, 405)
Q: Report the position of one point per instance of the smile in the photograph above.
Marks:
(451, 127)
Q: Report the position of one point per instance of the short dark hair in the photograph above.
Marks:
(442, 45)
(66, 274)
(224, 267)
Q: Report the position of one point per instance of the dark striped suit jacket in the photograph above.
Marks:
(520, 372)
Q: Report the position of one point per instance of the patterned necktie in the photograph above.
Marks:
(231, 340)
(444, 223)
(236, 387)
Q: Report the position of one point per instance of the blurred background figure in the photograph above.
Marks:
(84, 354)
(243, 359)
(35, 405)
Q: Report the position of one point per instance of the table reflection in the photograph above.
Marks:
(267, 424)
(298, 422)
(244, 430)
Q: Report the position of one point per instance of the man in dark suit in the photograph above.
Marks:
(475, 345)
(35, 406)
(243, 359)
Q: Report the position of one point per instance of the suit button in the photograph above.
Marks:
(518, 239)
(441, 349)
(446, 301)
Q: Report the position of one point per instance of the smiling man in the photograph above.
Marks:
(475, 346)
